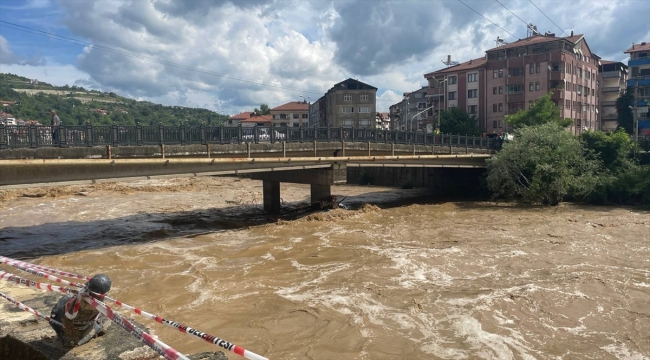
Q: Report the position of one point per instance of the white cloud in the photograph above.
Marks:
(301, 47)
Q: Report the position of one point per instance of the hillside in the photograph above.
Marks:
(77, 106)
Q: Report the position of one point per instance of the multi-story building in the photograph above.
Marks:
(511, 77)
(404, 114)
(292, 114)
(348, 103)
(383, 121)
(639, 81)
(463, 86)
(235, 119)
(612, 81)
(256, 120)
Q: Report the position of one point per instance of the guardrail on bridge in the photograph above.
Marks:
(31, 136)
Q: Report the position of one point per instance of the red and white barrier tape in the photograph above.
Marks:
(28, 309)
(4, 259)
(182, 328)
(158, 346)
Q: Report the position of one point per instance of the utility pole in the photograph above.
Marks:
(635, 115)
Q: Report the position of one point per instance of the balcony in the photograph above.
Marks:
(637, 62)
(611, 74)
(557, 75)
(609, 116)
(609, 89)
(608, 103)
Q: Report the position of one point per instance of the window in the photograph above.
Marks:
(531, 68)
(451, 80)
(579, 89)
(366, 109)
(568, 104)
(516, 71)
(515, 89)
(473, 93)
(494, 124)
(495, 74)
(500, 107)
(421, 106)
(364, 122)
(494, 107)
(537, 68)
(347, 109)
(494, 90)
(471, 109)
(579, 72)
(283, 116)
(584, 107)
(473, 77)
(305, 116)
(348, 122)
(500, 73)
(500, 89)
(452, 95)
(347, 97)
(364, 97)
(537, 86)
(531, 86)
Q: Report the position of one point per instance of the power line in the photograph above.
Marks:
(134, 55)
(525, 23)
(549, 19)
(493, 23)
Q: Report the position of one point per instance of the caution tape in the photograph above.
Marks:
(28, 309)
(4, 259)
(182, 328)
(158, 346)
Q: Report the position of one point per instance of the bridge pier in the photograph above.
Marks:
(271, 191)
(319, 179)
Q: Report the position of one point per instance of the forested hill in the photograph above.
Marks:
(76, 106)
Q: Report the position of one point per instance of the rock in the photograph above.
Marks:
(23, 337)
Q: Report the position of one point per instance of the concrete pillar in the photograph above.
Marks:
(271, 191)
(320, 192)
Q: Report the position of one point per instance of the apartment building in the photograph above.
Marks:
(405, 114)
(291, 114)
(612, 82)
(639, 81)
(348, 103)
(236, 119)
(511, 77)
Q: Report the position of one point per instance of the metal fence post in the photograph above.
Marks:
(272, 133)
(161, 134)
(301, 134)
(3, 136)
(204, 139)
(239, 133)
(316, 136)
(256, 134)
(89, 135)
(63, 136)
(32, 136)
(329, 133)
(353, 135)
(182, 134)
(221, 133)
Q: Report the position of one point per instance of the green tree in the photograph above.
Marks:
(625, 115)
(458, 121)
(543, 111)
(263, 110)
(542, 165)
(614, 150)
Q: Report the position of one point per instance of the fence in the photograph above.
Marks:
(31, 136)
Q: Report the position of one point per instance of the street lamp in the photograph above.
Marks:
(438, 101)
(308, 109)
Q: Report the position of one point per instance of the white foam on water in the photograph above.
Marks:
(296, 240)
(489, 345)
(268, 256)
(641, 284)
(620, 351)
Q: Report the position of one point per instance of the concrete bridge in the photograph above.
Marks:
(319, 164)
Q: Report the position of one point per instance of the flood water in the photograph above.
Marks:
(454, 280)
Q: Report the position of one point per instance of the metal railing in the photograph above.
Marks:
(31, 136)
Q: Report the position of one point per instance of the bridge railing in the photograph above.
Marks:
(30, 136)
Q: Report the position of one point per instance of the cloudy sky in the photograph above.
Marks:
(232, 55)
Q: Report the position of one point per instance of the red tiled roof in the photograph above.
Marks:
(258, 118)
(468, 65)
(537, 39)
(293, 106)
(644, 46)
(241, 116)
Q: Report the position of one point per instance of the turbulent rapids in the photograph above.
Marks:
(415, 281)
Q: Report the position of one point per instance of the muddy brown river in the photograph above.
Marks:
(450, 280)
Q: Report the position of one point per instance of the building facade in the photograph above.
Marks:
(513, 76)
(292, 114)
(612, 82)
(235, 119)
(639, 83)
(348, 103)
(405, 116)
